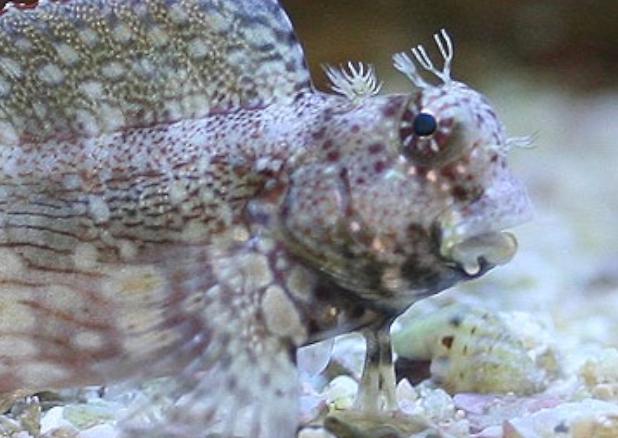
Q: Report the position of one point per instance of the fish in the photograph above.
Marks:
(178, 199)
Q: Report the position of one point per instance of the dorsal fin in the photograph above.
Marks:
(80, 68)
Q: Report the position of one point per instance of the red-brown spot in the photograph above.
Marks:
(447, 341)
(379, 166)
(319, 135)
(441, 138)
(459, 193)
(421, 171)
(327, 144)
(333, 156)
(22, 4)
(390, 110)
(376, 148)
(449, 172)
(446, 122)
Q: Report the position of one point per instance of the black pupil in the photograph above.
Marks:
(425, 124)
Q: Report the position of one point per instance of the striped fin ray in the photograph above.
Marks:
(84, 67)
(242, 382)
(200, 315)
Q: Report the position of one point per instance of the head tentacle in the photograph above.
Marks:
(355, 81)
(404, 63)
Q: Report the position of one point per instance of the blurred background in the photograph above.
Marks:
(570, 43)
(551, 69)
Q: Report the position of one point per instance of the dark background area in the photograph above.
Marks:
(573, 44)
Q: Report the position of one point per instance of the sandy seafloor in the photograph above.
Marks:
(542, 360)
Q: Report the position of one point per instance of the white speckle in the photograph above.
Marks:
(281, 316)
(173, 109)
(16, 317)
(92, 89)
(158, 36)
(127, 249)
(5, 87)
(98, 209)
(203, 164)
(10, 263)
(191, 105)
(201, 106)
(11, 67)
(281, 263)
(145, 284)
(122, 33)
(113, 70)
(432, 176)
(41, 373)
(39, 109)
(239, 57)
(88, 340)
(299, 283)
(178, 192)
(256, 270)
(17, 346)
(72, 182)
(218, 22)
(240, 234)
(140, 10)
(8, 135)
(112, 117)
(86, 122)
(265, 245)
(249, 269)
(261, 36)
(377, 245)
(144, 68)
(23, 44)
(194, 231)
(89, 37)
(51, 74)
(198, 48)
(67, 54)
(85, 256)
(461, 169)
(178, 14)
(262, 164)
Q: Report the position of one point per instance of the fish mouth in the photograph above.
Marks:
(477, 254)
(474, 236)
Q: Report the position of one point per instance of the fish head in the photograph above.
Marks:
(405, 195)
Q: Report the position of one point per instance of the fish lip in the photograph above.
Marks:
(469, 232)
(476, 254)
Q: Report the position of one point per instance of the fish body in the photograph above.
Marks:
(177, 199)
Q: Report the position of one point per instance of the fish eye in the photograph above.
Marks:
(424, 124)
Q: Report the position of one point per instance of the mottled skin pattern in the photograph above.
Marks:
(174, 192)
